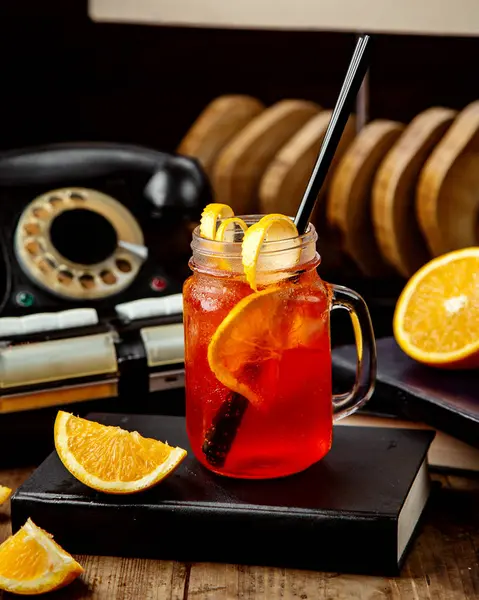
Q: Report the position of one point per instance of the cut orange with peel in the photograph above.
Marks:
(270, 228)
(210, 216)
(436, 320)
(5, 493)
(110, 459)
(250, 342)
(32, 563)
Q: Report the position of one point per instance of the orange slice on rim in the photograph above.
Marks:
(209, 229)
(227, 229)
(436, 320)
(210, 216)
(270, 228)
(31, 562)
(110, 459)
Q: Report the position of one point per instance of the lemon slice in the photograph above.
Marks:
(273, 227)
(227, 229)
(5, 493)
(209, 218)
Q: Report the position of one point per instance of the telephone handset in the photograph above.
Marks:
(182, 178)
(95, 224)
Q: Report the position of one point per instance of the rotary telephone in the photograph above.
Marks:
(95, 242)
(85, 223)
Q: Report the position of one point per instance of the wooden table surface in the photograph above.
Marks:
(443, 564)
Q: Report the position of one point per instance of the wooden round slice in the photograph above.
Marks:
(394, 190)
(349, 196)
(242, 163)
(447, 200)
(222, 119)
(285, 180)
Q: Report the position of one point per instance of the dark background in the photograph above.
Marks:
(65, 78)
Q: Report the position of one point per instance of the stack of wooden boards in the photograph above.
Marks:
(396, 195)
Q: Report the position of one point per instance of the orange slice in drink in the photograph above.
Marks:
(5, 493)
(32, 563)
(210, 216)
(110, 459)
(436, 320)
(269, 268)
(246, 350)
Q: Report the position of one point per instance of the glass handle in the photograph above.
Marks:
(349, 402)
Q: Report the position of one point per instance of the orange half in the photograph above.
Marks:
(111, 459)
(436, 320)
(31, 562)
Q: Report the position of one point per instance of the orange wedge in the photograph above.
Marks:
(32, 563)
(210, 216)
(436, 320)
(270, 228)
(5, 493)
(110, 459)
(248, 346)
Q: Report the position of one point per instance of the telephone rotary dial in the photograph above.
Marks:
(95, 224)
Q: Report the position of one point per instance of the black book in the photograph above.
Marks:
(370, 490)
(445, 400)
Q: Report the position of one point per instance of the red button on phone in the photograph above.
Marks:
(158, 284)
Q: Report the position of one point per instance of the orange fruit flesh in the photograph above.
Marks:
(437, 316)
(23, 558)
(112, 453)
(111, 459)
(31, 562)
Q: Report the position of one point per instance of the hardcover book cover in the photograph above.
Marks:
(445, 400)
